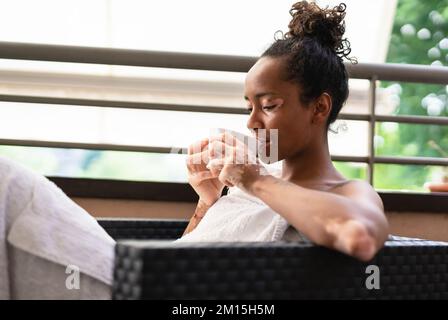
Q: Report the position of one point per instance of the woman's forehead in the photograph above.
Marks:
(266, 69)
(267, 76)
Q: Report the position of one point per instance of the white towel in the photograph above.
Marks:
(239, 216)
(37, 217)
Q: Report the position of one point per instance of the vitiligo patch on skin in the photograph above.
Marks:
(215, 164)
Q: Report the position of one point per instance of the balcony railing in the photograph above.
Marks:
(125, 57)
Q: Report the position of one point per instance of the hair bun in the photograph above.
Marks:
(327, 25)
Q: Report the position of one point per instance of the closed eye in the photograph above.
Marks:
(269, 107)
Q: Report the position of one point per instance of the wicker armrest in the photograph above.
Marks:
(409, 269)
(158, 269)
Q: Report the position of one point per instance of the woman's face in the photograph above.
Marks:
(274, 103)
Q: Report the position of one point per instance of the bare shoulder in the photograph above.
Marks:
(359, 190)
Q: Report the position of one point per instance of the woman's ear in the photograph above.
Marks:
(322, 108)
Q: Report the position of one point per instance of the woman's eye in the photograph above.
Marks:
(269, 107)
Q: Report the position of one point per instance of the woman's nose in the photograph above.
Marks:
(254, 122)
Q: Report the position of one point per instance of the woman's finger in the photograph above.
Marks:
(219, 150)
(197, 161)
(203, 175)
(215, 166)
(226, 138)
(198, 146)
(236, 154)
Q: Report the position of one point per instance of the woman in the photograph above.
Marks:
(50, 248)
(297, 87)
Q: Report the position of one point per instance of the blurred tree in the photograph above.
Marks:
(419, 36)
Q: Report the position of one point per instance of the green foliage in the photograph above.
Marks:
(41, 160)
(352, 170)
(137, 166)
(420, 36)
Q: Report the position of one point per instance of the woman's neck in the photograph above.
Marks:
(311, 165)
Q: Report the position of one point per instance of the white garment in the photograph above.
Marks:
(239, 216)
(38, 218)
(32, 277)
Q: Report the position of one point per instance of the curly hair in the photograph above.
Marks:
(314, 49)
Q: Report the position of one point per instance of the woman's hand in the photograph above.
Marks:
(203, 181)
(233, 163)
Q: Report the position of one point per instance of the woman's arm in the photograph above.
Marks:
(199, 213)
(351, 221)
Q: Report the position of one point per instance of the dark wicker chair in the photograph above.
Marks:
(150, 267)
